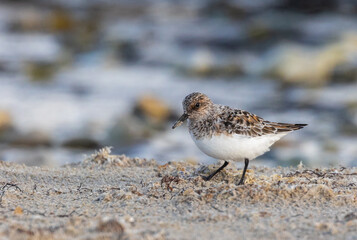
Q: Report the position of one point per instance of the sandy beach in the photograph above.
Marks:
(116, 197)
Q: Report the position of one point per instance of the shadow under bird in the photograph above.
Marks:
(229, 134)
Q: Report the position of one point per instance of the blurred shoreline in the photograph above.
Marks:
(78, 75)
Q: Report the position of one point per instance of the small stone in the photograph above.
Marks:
(60, 20)
(126, 51)
(349, 217)
(5, 120)
(31, 139)
(111, 225)
(313, 66)
(152, 108)
(18, 211)
(40, 71)
(108, 197)
(320, 192)
(150, 115)
(82, 143)
(188, 192)
(326, 227)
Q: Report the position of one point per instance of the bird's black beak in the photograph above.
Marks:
(180, 120)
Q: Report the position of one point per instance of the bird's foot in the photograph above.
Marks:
(206, 178)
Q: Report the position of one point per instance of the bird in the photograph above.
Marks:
(229, 134)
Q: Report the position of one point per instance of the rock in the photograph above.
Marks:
(76, 32)
(345, 72)
(350, 216)
(18, 211)
(34, 19)
(5, 120)
(313, 67)
(226, 8)
(84, 35)
(313, 6)
(60, 20)
(204, 34)
(148, 117)
(41, 71)
(126, 51)
(37, 20)
(202, 62)
(30, 19)
(111, 226)
(152, 109)
(205, 64)
(227, 71)
(259, 32)
(31, 139)
(129, 130)
(83, 143)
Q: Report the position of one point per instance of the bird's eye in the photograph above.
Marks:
(197, 105)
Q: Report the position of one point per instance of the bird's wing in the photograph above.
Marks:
(244, 123)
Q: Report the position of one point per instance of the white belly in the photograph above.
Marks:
(236, 147)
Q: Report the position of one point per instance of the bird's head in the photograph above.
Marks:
(196, 106)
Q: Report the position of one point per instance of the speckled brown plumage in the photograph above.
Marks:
(208, 119)
(233, 121)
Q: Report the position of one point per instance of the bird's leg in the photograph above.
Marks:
(215, 172)
(246, 163)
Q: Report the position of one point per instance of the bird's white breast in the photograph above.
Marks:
(236, 147)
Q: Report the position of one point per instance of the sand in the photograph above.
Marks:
(116, 197)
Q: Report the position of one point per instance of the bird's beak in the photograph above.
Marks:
(180, 120)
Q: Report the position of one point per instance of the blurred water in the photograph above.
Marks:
(64, 76)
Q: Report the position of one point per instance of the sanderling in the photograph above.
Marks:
(229, 134)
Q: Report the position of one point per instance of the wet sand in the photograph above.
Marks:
(116, 197)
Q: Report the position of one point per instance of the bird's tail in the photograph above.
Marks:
(287, 127)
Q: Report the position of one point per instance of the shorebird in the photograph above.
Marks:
(229, 134)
